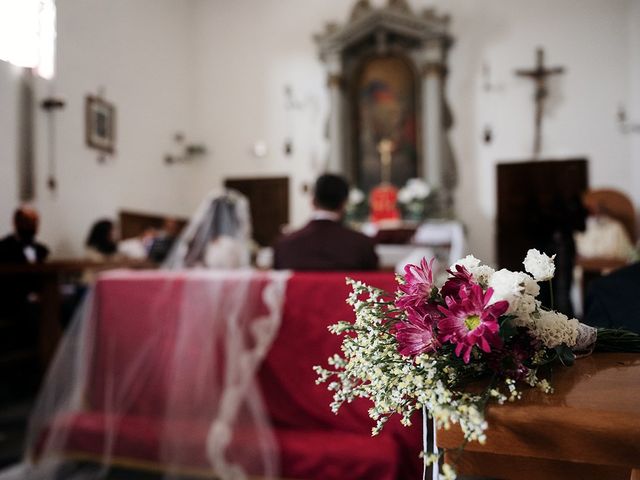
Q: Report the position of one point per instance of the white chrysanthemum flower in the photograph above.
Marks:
(539, 265)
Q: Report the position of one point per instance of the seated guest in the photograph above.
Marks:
(604, 237)
(164, 240)
(137, 248)
(614, 301)
(101, 243)
(21, 247)
(324, 243)
(19, 294)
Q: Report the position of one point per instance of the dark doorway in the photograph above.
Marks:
(531, 197)
(269, 204)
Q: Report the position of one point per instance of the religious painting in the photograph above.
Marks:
(100, 124)
(386, 112)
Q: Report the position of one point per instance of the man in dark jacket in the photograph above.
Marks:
(324, 243)
(21, 247)
(614, 300)
(19, 291)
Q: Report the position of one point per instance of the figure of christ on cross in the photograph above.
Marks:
(539, 75)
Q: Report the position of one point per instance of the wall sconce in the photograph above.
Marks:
(187, 151)
(626, 126)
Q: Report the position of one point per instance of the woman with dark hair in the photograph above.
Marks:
(101, 243)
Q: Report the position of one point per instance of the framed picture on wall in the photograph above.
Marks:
(100, 124)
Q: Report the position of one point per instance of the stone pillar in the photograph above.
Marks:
(432, 70)
(335, 161)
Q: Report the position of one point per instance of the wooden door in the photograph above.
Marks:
(528, 194)
(269, 204)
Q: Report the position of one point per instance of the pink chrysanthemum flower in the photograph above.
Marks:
(459, 280)
(417, 286)
(415, 335)
(468, 321)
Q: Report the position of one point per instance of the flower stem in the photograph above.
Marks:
(551, 292)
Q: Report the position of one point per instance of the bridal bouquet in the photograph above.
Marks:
(424, 345)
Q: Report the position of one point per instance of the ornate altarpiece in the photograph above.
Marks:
(386, 75)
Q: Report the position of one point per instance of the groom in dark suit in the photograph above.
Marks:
(614, 300)
(324, 243)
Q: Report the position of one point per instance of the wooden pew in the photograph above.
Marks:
(51, 275)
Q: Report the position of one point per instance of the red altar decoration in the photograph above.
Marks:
(384, 203)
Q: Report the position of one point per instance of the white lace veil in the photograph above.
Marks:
(217, 236)
(157, 372)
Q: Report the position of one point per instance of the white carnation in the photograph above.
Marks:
(467, 262)
(507, 285)
(539, 265)
(415, 189)
(482, 274)
(404, 196)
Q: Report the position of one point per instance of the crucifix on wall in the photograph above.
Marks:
(539, 74)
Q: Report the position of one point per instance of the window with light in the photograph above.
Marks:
(28, 34)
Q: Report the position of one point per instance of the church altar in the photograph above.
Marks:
(443, 238)
(589, 428)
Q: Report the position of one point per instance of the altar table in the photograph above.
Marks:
(589, 428)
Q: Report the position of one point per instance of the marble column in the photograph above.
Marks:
(432, 69)
(335, 161)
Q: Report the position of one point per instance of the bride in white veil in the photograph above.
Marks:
(217, 236)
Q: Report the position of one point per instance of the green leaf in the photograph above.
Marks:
(507, 328)
(565, 355)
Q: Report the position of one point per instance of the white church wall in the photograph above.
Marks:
(9, 80)
(633, 107)
(139, 54)
(248, 51)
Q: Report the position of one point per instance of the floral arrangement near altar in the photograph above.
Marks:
(413, 199)
(356, 207)
(423, 346)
